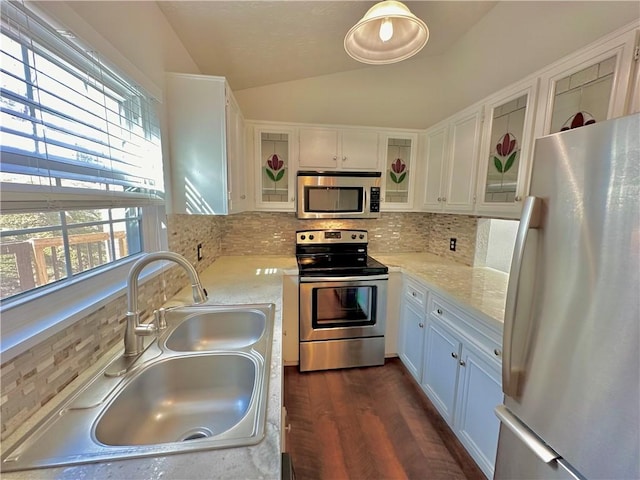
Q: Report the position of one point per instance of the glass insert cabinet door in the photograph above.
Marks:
(399, 169)
(583, 97)
(274, 176)
(507, 132)
(506, 150)
(275, 153)
(589, 87)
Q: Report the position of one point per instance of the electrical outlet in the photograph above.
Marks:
(199, 251)
(452, 244)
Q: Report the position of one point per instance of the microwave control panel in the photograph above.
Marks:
(374, 199)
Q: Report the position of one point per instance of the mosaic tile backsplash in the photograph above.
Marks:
(262, 233)
(34, 377)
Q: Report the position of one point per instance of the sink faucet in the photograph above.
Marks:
(134, 331)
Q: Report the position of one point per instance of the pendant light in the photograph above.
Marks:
(388, 33)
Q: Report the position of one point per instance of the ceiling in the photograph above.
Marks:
(256, 43)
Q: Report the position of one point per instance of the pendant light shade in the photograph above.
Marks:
(388, 33)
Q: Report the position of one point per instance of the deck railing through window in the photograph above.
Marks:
(39, 261)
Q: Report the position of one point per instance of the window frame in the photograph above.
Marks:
(49, 308)
(55, 307)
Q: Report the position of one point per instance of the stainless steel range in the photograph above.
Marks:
(343, 300)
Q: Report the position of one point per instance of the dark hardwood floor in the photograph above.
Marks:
(369, 423)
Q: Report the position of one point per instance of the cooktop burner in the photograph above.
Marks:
(335, 253)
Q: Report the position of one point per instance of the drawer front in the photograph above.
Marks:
(416, 293)
(461, 322)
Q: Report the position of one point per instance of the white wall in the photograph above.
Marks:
(513, 40)
(495, 241)
(136, 30)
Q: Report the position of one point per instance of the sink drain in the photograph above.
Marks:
(195, 434)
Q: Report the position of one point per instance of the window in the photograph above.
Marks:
(81, 157)
(45, 247)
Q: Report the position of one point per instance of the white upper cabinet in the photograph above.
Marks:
(338, 149)
(274, 167)
(236, 158)
(206, 136)
(432, 187)
(451, 163)
(399, 170)
(590, 86)
(505, 158)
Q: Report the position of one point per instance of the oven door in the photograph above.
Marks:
(342, 307)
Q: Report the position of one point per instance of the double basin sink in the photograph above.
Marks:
(201, 384)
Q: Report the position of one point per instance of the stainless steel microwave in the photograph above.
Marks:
(338, 194)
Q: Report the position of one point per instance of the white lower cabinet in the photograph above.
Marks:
(480, 390)
(460, 371)
(411, 332)
(441, 369)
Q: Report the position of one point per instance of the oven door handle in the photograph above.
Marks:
(358, 278)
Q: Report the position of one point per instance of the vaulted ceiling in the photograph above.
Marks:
(256, 43)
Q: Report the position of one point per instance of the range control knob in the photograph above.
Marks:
(361, 236)
(302, 237)
(310, 237)
(353, 236)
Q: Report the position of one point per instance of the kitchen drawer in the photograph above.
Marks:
(443, 311)
(415, 293)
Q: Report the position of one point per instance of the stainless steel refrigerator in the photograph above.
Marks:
(571, 352)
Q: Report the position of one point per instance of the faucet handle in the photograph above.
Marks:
(160, 319)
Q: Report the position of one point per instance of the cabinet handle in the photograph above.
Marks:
(439, 311)
(462, 363)
(288, 428)
(421, 325)
(454, 354)
(497, 352)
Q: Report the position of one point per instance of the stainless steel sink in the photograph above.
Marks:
(180, 399)
(202, 384)
(212, 330)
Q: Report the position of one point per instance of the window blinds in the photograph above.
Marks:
(73, 131)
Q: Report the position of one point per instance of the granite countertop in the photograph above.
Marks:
(258, 279)
(229, 280)
(481, 291)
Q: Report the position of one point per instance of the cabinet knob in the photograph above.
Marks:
(518, 198)
(444, 199)
(497, 352)
(413, 294)
(421, 325)
(242, 197)
(454, 354)
(439, 311)
(293, 199)
(335, 157)
(462, 363)
(439, 199)
(344, 159)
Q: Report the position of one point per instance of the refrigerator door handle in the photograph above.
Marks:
(531, 218)
(530, 439)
